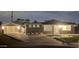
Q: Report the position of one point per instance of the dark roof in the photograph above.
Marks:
(57, 22)
(11, 24)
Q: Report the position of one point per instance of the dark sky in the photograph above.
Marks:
(72, 16)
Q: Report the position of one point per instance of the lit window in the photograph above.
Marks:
(30, 25)
(65, 27)
(33, 25)
(68, 27)
(37, 25)
(47, 27)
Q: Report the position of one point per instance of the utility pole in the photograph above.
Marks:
(11, 16)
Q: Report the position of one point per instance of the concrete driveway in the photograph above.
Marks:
(36, 39)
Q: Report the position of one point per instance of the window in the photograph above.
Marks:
(68, 27)
(30, 25)
(33, 25)
(47, 27)
(37, 25)
(65, 27)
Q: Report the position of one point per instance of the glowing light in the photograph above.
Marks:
(33, 25)
(3, 27)
(60, 26)
(65, 27)
(18, 27)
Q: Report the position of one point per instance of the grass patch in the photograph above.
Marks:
(73, 39)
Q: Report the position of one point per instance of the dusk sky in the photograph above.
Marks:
(71, 16)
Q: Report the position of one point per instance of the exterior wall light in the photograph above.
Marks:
(60, 26)
(18, 27)
(3, 27)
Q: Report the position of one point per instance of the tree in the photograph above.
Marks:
(27, 20)
(21, 21)
(18, 19)
(0, 27)
(0, 23)
(35, 21)
(77, 29)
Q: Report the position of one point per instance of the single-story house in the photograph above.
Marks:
(55, 27)
(33, 28)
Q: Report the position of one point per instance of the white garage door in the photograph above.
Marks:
(11, 29)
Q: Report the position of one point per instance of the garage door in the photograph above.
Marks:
(11, 29)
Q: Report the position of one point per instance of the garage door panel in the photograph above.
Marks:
(11, 29)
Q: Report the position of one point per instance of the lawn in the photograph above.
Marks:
(73, 39)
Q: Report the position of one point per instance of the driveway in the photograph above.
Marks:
(36, 39)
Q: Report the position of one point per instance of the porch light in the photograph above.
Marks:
(60, 26)
(3, 27)
(18, 27)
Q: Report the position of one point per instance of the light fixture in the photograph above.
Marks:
(2, 27)
(60, 26)
(18, 27)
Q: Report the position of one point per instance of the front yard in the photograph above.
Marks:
(73, 39)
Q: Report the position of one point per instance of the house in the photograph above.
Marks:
(34, 28)
(10, 28)
(55, 27)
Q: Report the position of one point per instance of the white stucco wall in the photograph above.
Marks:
(47, 27)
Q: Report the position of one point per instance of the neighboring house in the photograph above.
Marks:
(34, 28)
(12, 28)
(30, 27)
(55, 27)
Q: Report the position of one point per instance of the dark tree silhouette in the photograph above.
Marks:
(35, 21)
(0, 23)
(21, 21)
(28, 20)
